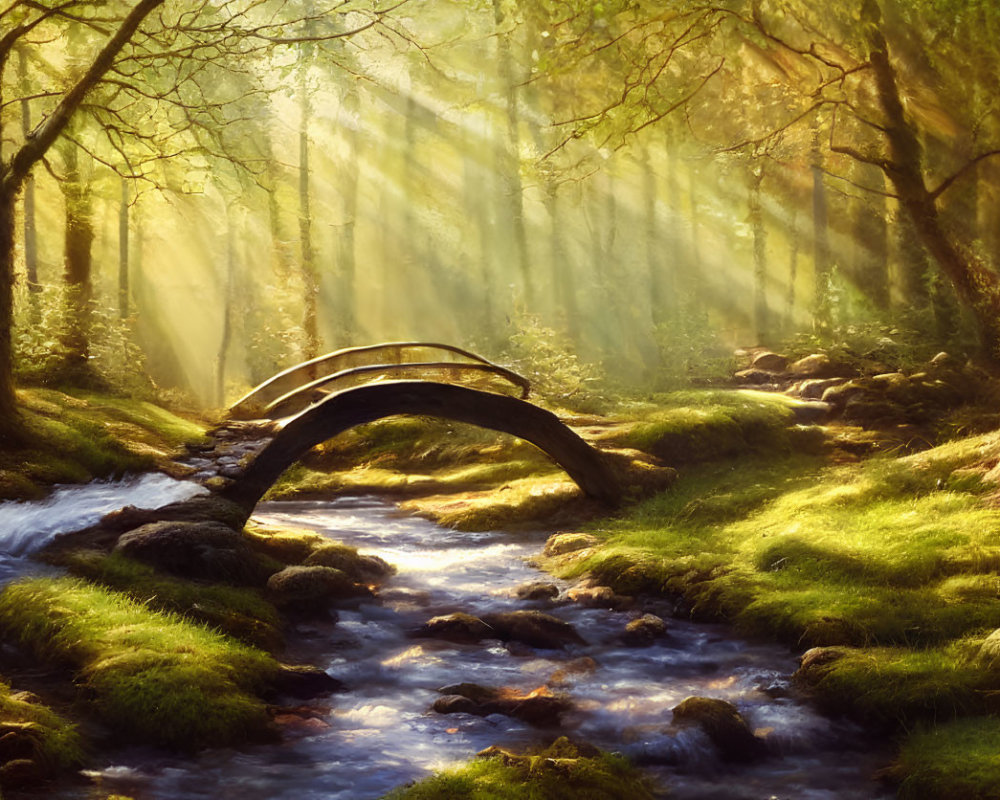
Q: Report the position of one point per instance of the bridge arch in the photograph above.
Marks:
(372, 358)
(352, 407)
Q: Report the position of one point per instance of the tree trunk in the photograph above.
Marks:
(761, 315)
(9, 417)
(871, 239)
(976, 285)
(509, 159)
(310, 281)
(30, 240)
(123, 251)
(794, 240)
(346, 245)
(79, 238)
(227, 315)
(822, 268)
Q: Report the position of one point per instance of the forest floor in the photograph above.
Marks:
(873, 552)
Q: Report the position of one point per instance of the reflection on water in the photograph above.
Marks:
(380, 733)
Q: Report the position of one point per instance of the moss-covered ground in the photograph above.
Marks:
(80, 436)
(151, 676)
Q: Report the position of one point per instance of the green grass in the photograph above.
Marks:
(689, 426)
(152, 676)
(238, 612)
(557, 773)
(58, 745)
(957, 759)
(77, 438)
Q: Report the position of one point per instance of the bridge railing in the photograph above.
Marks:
(294, 389)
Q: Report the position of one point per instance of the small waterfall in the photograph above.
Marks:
(28, 526)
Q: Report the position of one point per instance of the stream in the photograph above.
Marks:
(380, 733)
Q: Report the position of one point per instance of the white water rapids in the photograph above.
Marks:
(380, 733)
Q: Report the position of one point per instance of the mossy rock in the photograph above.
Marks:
(533, 628)
(312, 589)
(287, 545)
(643, 631)
(203, 550)
(723, 724)
(458, 627)
(561, 543)
(362, 569)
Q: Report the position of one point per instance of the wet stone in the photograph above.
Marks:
(537, 591)
(533, 628)
(643, 631)
(459, 628)
(723, 724)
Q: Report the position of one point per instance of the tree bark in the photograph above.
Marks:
(761, 314)
(976, 285)
(822, 268)
(123, 252)
(30, 241)
(79, 238)
(9, 428)
(310, 321)
(509, 159)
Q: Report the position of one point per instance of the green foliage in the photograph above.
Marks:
(558, 772)
(152, 676)
(690, 350)
(547, 358)
(39, 353)
(58, 743)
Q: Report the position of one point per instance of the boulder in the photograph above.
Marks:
(363, 569)
(540, 707)
(312, 589)
(304, 682)
(817, 365)
(456, 704)
(561, 543)
(204, 508)
(770, 362)
(204, 550)
(598, 597)
(18, 740)
(537, 591)
(643, 631)
(459, 628)
(839, 394)
(813, 388)
(755, 377)
(815, 658)
(723, 724)
(533, 628)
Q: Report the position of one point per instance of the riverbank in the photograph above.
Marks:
(886, 563)
(79, 436)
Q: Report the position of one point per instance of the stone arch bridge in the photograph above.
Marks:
(314, 401)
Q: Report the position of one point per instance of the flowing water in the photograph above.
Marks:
(380, 733)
